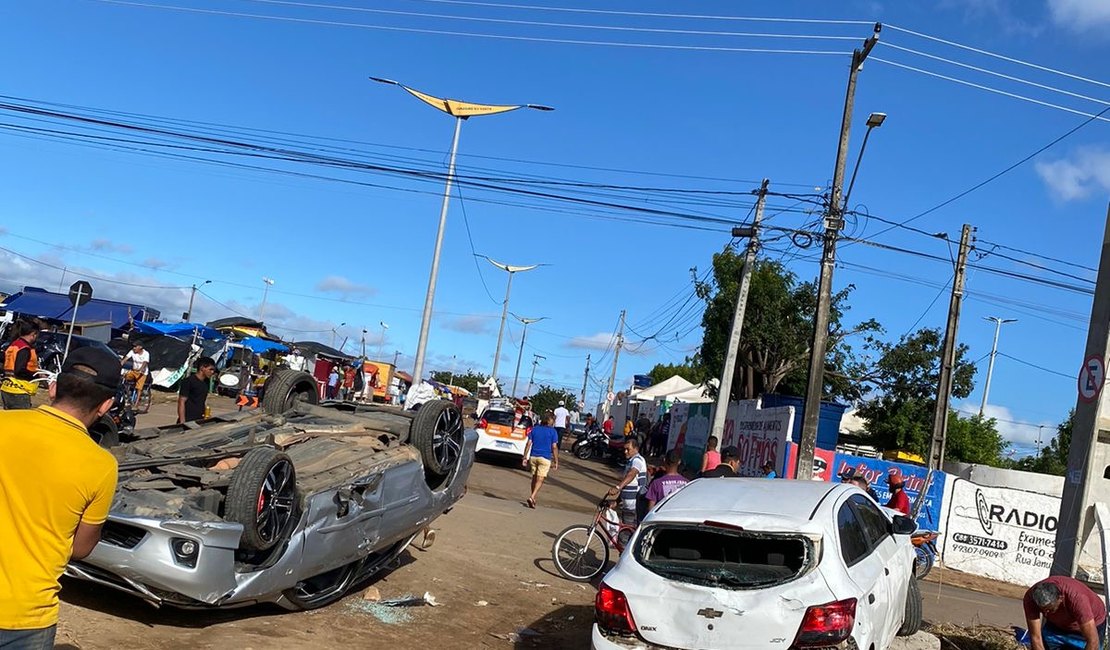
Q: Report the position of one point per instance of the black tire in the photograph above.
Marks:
(286, 389)
(104, 432)
(437, 431)
(323, 589)
(262, 496)
(922, 562)
(583, 451)
(580, 553)
(143, 405)
(911, 624)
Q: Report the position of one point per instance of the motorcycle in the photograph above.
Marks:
(592, 444)
(924, 545)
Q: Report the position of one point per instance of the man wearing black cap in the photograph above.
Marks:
(730, 463)
(56, 486)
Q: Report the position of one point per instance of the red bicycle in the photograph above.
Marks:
(582, 551)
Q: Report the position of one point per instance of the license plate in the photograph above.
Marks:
(502, 443)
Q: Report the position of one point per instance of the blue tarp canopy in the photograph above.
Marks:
(33, 301)
(258, 346)
(181, 331)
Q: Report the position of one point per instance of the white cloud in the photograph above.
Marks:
(469, 324)
(344, 286)
(155, 263)
(599, 341)
(1084, 172)
(1080, 15)
(1014, 431)
(108, 246)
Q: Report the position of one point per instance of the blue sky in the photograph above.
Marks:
(700, 118)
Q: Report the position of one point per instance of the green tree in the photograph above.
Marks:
(1053, 457)
(974, 440)
(469, 380)
(547, 398)
(905, 378)
(778, 327)
(688, 371)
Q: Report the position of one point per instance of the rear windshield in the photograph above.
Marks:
(499, 417)
(722, 557)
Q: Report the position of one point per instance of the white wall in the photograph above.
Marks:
(1007, 478)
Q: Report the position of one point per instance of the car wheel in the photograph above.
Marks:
(912, 622)
(262, 497)
(323, 589)
(286, 389)
(104, 432)
(437, 431)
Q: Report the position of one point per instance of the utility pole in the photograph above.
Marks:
(535, 362)
(948, 354)
(585, 379)
(998, 323)
(616, 357)
(833, 222)
(720, 410)
(396, 353)
(188, 315)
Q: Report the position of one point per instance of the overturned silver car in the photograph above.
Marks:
(292, 505)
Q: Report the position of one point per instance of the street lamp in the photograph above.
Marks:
(998, 323)
(511, 270)
(460, 111)
(333, 333)
(874, 121)
(526, 322)
(381, 342)
(531, 380)
(189, 314)
(266, 287)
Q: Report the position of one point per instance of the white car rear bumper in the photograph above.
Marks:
(487, 442)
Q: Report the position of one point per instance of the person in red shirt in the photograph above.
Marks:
(607, 427)
(1074, 616)
(898, 499)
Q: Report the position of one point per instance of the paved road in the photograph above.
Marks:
(948, 604)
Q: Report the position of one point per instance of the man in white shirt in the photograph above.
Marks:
(140, 366)
(294, 360)
(562, 416)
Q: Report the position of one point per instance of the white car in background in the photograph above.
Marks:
(753, 563)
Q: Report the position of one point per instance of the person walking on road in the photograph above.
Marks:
(562, 417)
(193, 398)
(56, 487)
(1074, 616)
(730, 464)
(633, 485)
(663, 486)
(898, 498)
(607, 426)
(541, 455)
(21, 362)
(333, 382)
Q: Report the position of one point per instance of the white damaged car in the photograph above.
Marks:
(754, 563)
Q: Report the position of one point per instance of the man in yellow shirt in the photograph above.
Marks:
(56, 486)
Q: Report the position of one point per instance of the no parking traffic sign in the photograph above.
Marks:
(1091, 378)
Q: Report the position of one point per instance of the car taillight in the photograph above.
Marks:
(482, 424)
(611, 611)
(825, 625)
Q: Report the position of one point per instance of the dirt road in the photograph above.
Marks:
(490, 568)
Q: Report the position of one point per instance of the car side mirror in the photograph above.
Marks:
(903, 525)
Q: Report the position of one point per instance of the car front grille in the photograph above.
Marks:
(122, 535)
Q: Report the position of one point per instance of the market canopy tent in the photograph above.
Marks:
(312, 348)
(38, 302)
(261, 346)
(669, 386)
(183, 331)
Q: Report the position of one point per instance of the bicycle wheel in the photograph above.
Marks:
(143, 405)
(580, 552)
(923, 563)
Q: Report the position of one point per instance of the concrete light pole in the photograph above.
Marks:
(834, 220)
(998, 323)
(189, 314)
(511, 270)
(523, 335)
(460, 111)
(267, 283)
(381, 343)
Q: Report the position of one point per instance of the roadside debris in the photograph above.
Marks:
(412, 601)
(482, 603)
(516, 637)
(372, 595)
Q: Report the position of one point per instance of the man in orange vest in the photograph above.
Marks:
(20, 364)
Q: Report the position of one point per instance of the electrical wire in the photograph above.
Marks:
(1042, 368)
(444, 32)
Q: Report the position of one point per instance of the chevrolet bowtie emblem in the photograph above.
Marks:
(710, 613)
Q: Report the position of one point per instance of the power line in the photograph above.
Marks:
(537, 23)
(444, 32)
(1033, 365)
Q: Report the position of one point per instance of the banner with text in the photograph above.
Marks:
(1000, 533)
(876, 469)
(759, 434)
